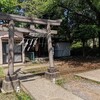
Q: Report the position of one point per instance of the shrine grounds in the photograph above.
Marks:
(86, 89)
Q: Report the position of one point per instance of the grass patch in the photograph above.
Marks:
(15, 96)
(23, 96)
(40, 70)
(1, 72)
(60, 81)
(36, 70)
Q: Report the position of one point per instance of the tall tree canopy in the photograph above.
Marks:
(40, 8)
(77, 15)
(8, 6)
(74, 12)
(85, 8)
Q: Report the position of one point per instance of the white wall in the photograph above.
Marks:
(62, 49)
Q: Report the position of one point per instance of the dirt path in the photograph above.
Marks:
(85, 89)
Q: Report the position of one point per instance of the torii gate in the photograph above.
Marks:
(51, 73)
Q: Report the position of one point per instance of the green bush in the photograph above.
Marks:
(76, 45)
(60, 81)
(23, 96)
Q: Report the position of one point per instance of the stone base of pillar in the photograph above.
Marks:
(10, 84)
(52, 73)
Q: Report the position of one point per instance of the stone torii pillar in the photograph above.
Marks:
(11, 49)
(50, 49)
(11, 81)
(52, 72)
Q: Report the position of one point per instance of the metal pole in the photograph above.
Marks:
(11, 49)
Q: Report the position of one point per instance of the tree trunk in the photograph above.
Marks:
(83, 48)
(98, 19)
(99, 41)
(94, 43)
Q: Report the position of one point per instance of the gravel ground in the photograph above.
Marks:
(85, 89)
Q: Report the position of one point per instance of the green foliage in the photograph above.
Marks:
(15, 96)
(54, 9)
(1, 72)
(60, 81)
(76, 45)
(96, 3)
(85, 32)
(8, 6)
(40, 8)
(23, 96)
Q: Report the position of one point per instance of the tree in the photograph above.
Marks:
(85, 32)
(88, 10)
(76, 14)
(42, 8)
(8, 6)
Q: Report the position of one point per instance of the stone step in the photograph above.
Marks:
(27, 76)
(93, 75)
